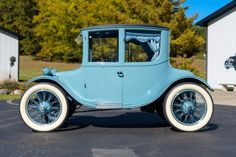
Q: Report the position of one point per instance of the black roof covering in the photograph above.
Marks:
(10, 32)
(205, 21)
(125, 26)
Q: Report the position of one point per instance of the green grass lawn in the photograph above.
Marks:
(10, 97)
(30, 68)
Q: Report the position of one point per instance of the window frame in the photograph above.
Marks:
(142, 31)
(88, 48)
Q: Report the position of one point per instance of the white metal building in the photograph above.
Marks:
(9, 55)
(221, 45)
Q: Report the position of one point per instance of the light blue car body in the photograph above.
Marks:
(97, 84)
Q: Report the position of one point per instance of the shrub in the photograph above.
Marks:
(11, 86)
(186, 64)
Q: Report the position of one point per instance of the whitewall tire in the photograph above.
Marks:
(188, 107)
(44, 107)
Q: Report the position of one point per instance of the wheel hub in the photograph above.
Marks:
(44, 107)
(187, 107)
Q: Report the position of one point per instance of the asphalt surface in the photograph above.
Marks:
(118, 133)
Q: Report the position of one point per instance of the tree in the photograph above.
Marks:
(59, 22)
(17, 16)
(185, 41)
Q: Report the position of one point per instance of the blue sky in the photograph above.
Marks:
(204, 7)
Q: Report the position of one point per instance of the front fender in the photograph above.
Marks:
(57, 81)
(42, 79)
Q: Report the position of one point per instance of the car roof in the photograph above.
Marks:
(111, 26)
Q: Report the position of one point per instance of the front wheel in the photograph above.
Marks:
(44, 107)
(188, 107)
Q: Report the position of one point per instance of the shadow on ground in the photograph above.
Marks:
(124, 120)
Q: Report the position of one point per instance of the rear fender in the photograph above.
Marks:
(150, 107)
(193, 79)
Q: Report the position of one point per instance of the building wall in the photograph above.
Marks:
(221, 45)
(9, 46)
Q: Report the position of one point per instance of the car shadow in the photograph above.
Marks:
(125, 120)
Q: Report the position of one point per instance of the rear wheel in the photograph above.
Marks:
(44, 107)
(188, 107)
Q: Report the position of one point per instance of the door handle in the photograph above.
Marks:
(120, 74)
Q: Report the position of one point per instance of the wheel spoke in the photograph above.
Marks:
(180, 99)
(34, 113)
(55, 107)
(196, 115)
(192, 119)
(44, 95)
(40, 100)
(34, 102)
(178, 105)
(49, 98)
(185, 119)
(185, 96)
(178, 111)
(180, 115)
(51, 118)
(54, 102)
(191, 95)
(31, 107)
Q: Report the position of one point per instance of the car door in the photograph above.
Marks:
(103, 70)
(142, 50)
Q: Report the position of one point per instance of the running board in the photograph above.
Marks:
(109, 106)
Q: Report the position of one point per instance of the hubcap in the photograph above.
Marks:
(189, 107)
(43, 107)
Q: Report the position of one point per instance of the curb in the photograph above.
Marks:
(11, 102)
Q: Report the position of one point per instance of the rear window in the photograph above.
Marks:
(142, 46)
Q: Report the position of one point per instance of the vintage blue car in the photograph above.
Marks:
(123, 67)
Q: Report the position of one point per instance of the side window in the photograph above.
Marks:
(142, 46)
(103, 46)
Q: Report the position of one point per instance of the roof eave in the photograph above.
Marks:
(204, 22)
(18, 36)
